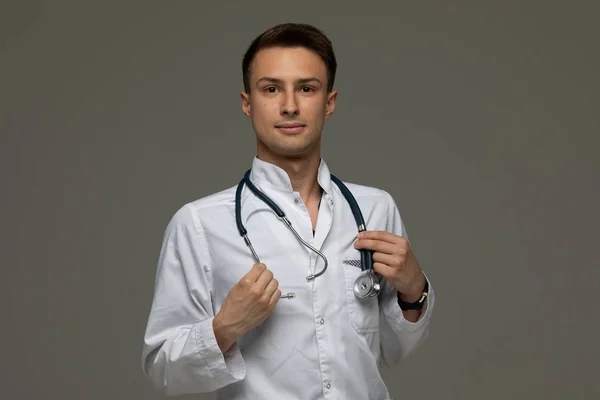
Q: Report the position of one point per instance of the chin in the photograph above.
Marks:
(282, 144)
(285, 148)
(292, 151)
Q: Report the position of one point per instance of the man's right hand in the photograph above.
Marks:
(248, 304)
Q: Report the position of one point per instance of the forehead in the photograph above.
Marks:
(287, 63)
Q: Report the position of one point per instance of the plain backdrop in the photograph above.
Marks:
(480, 118)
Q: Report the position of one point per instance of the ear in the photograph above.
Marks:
(245, 97)
(330, 106)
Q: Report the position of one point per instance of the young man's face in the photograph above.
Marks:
(288, 101)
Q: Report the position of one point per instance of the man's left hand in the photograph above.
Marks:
(394, 260)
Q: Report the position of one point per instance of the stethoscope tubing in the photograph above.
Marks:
(362, 289)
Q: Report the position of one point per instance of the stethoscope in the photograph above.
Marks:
(366, 285)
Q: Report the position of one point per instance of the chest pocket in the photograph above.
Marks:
(363, 313)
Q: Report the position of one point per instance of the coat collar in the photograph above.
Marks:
(274, 177)
(267, 176)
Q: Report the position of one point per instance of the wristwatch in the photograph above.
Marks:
(417, 305)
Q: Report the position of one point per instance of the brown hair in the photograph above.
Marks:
(292, 35)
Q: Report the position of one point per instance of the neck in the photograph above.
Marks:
(302, 172)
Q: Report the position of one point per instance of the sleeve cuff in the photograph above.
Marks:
(226, 368)
(394, 313)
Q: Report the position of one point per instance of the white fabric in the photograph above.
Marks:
(322, 344)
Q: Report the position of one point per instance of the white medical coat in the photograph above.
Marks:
(323, 344)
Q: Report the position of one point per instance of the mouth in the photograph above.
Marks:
(294, 127)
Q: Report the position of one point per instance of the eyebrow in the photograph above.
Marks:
(297, 81)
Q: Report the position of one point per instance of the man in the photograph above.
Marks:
(222, 322)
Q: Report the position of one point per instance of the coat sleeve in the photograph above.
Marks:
(400, 337)
(180, 353)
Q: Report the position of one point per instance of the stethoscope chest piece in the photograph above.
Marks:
(366, 285)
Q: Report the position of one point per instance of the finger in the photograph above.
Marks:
(265, 297)
(275, 298)
(383, 269)
(381, 235)
(375, 245)
(391, 260)
(264, 279)
(255, 272)
(271, 288)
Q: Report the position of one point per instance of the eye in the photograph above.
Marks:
(307, 89)
(270, 89)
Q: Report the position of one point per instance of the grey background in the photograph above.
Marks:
(480, 118)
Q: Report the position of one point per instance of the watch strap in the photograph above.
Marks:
(417, 305)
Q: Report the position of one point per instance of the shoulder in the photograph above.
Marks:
(379, 207)
(190, 214)
(370, 193)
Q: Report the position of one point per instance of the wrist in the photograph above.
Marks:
(410, 298)
(416, 293)
(224, 334)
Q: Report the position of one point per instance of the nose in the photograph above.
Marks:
(290, 106)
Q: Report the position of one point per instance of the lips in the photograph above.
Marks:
(291, 127)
